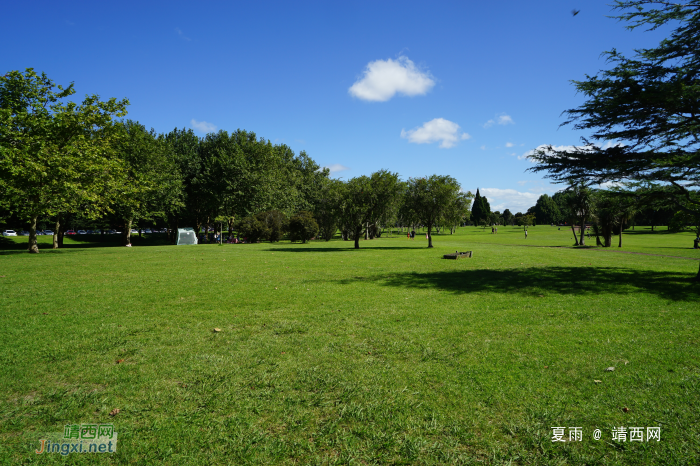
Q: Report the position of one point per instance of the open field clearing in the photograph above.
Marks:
(329, 355)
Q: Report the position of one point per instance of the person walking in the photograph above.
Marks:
(525, 234)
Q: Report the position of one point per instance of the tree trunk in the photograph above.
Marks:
(582, 241)
(619, 244)
(55, 232)
(697, 277)
(33, 247)
(358, 232)
(61, 234)
(430, 237)
(127, 233)
(574, 232)
(367, 231)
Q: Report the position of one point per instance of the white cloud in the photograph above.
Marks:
(505, 120)
(483, 147)
(336, 167)
(435, 130)
(181, 34)
(383, 79)
(203, 126)
(502, 119)
(509, 144)
(516, 201)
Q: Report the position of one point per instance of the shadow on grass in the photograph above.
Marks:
(10, 246)
(534, 282)
(302, 248)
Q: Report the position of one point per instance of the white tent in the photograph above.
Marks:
(186, 236)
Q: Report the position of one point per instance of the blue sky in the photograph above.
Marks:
(419, 88)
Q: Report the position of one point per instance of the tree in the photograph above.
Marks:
(546, 210)
(151, 185)
(365, 199)
(430, 198)
(646, 108)
(326, 208)
(55, 155)
(580, 206)
(457, 212)
(507, 217)
(479, 212)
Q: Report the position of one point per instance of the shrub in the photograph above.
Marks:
(253, 229)
(276, 222)
(302, 227)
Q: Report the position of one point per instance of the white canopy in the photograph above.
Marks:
(186, 236)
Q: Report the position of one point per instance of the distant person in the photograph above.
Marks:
(413, 234)
(525, 234)
(408, 234)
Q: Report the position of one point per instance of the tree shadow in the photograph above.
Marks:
(77, 242)
(349, 248)
(537, 282)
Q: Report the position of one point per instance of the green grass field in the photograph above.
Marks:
(329, 355)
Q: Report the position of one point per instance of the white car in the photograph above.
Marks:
(82, 232)
(9, 233)
(134, 231)
(48, 232)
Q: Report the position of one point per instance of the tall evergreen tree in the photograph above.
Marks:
(477, 208)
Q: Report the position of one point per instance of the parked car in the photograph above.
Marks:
(9, 233)
(82, 232)
(48, 232)
(70, 232)
(112, 232)
(90, 232)
(24, 233)
(134, 231)
(147, 230)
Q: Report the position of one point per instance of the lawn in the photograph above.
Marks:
(329, 355)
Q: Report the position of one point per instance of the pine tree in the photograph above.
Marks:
(477, 208)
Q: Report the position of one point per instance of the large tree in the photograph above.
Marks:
(152, 184)
(546, 210)
(365, 200)
(647, 110)
(55, 155)
(432, 198)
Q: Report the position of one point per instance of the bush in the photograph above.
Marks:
(302, 227)
(276, 222)
(253, 229)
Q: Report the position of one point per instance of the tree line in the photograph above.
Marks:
(61, 160)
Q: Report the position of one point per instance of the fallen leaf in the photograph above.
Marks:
(114, 412)
(610, 369)
(546, 367)
(626, 409)
(275, 287)
(597, 381)
(2, 276)
(119, 361)
(216, 330)
(282, 352)
(541, 296)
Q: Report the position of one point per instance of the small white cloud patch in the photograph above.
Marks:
(336, 167)
(203, 126)
(436, 130)
(502, 119)
(384, 79)
(509, 144)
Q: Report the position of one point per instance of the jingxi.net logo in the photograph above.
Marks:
(83, 438)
